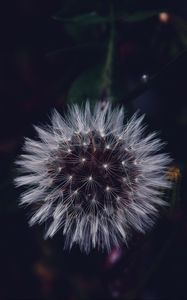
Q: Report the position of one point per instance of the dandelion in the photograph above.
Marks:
(94, 175)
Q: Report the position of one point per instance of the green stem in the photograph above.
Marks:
(107, 71)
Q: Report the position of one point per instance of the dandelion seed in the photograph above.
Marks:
(96, 196)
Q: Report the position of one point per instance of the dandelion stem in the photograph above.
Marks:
(107, 71)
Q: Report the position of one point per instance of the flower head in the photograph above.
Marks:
(93, 177)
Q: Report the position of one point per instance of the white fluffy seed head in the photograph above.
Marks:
(94, 175)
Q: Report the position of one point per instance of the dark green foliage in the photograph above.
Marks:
(126, 29)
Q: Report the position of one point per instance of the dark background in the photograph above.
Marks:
(53, 53)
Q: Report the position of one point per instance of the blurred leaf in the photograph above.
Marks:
(70, 8)
(94, 18)
(87, 86)
(91, 85)
(91, 25)
(84, 19)
(138, 15)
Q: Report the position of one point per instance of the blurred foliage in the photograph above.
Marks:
(137, 30)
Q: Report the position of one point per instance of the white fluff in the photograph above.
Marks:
(102, 224)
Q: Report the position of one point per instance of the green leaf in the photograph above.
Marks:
(90, 86)
(84, 19)
(83, 26)
(138, 15)
(87, 86)
(95, 18)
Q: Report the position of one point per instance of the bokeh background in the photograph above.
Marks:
(53, 53)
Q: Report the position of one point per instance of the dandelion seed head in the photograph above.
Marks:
(93, 175)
